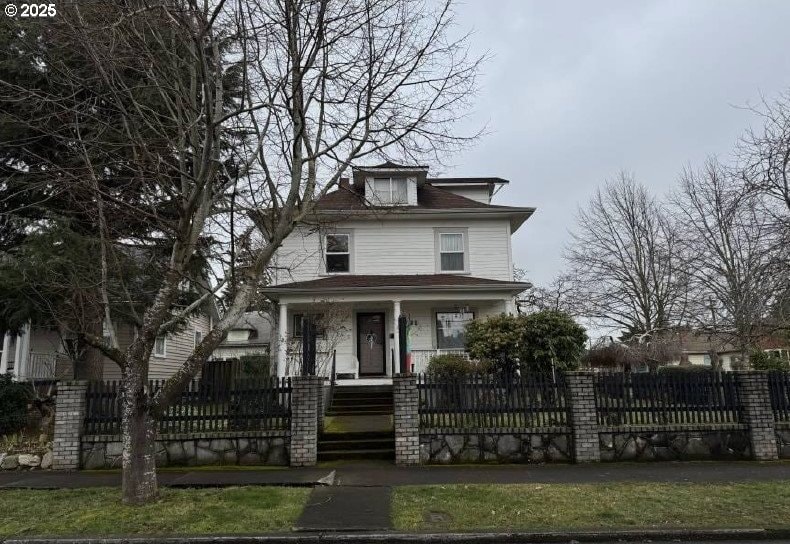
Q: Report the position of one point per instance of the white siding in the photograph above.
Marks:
(399, 247)
(479, 194)
(179, 347)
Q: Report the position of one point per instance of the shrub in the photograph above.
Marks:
(451, 365)
(761, 360)
(551, 335)
(496, 338)
(255, 366)
(534, 340)
(14, 398)
(684, 369)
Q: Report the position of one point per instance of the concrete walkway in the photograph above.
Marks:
(347, 508)
(385, 474)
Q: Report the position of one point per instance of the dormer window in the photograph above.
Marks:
(390, 191)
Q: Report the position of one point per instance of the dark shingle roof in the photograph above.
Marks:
(356, 281)
(428, 198)
(458, 181)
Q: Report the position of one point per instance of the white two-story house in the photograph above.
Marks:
(394, 242)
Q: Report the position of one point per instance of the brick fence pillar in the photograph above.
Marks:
(70, 404)
(407, 419)
(583, 417)
(758, 414)
(305, 392)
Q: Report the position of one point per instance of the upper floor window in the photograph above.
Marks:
(452, 252)
(160, 346)
(198, 337)
(338, 253)
(390, 191)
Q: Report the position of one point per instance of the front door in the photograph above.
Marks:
(370, 344)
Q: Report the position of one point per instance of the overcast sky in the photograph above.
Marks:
(576, 91)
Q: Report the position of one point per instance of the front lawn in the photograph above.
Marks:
(535, 507)
(99, 511)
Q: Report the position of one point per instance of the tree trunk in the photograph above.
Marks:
(89, 363)
(139, 450)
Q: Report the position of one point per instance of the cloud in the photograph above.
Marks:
(577, 91)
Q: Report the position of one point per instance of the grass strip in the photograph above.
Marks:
(99, 512)
(537, 507)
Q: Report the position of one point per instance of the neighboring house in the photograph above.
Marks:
(393, 242)
(250, 336)
(41, 354)
(696, 348)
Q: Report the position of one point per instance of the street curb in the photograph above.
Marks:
(431, 538)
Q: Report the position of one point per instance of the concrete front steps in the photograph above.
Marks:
(359, 401)
(343, 446)
(357, 413)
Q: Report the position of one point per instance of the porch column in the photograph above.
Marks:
(19, 354)
(282, 341)
(395, 367)
(6, 353)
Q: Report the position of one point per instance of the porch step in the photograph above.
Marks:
(350, 401)
(348, 391)
(355, 436)
(342, 455)
(359, 444)
(355, 412)
(361, 400)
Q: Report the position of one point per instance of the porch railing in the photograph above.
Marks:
(420, 357)
(40, 366)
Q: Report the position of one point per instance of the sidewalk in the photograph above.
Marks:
(385, 474)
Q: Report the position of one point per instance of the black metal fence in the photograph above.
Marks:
(779, 386)
(243, 405)
(671, 398)
(478, 401)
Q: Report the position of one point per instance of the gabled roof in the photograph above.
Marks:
(389, 165)
(383, 282)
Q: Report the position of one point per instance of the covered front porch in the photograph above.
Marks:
(357, 335)
(31, 354)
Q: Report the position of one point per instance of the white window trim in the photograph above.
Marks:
(164, 348)
(375, 199)
(344, 232)
(464, 232)
(194, 337)
(435, 329)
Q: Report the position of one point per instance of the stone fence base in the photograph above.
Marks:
(446, 446)
(676, 444)
(261, 448)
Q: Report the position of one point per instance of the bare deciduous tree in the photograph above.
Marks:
(735, 260)
(215, 127)
(621, 260)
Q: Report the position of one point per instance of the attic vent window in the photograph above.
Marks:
(390, 191)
